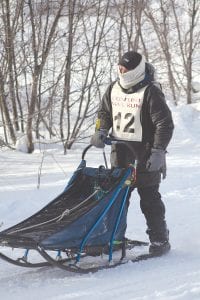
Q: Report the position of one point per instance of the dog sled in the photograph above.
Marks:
(83, 229)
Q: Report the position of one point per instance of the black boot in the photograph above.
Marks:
(159, 248)
(159, 241)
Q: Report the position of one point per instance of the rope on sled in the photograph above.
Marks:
(68, 211)
(58, 218)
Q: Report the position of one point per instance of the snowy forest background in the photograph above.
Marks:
(57, 58)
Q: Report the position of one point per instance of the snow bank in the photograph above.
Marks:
(174, 276)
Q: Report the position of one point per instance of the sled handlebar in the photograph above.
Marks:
(108, 141)
(85, 151)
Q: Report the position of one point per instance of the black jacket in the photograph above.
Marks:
(157, 128)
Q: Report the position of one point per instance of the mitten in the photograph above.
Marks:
(156, 161)
(98, 138)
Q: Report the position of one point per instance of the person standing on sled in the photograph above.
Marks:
(134, 108)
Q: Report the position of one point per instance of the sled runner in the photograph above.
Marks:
(83, 228)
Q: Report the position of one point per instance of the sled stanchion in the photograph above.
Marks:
(58, 256)
(117, 223)
(26, 254)
(105, 160)
(123, 249)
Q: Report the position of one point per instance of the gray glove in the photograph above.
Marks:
(98, 138)
(157, 161)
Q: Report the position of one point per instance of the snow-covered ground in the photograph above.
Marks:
(174, 276)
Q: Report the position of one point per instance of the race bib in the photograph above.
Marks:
(126, 114)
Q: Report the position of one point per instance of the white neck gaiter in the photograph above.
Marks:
(132, 77)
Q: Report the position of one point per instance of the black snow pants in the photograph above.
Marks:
(154, 211)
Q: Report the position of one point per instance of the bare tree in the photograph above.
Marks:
(6, 119)
(162, 29)
(187, 41)
(68, 69)
(79, 107)
(57, 56)
(38, 64)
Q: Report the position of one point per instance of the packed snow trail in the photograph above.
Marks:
(174, 276)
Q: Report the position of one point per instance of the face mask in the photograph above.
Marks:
(132, 77)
